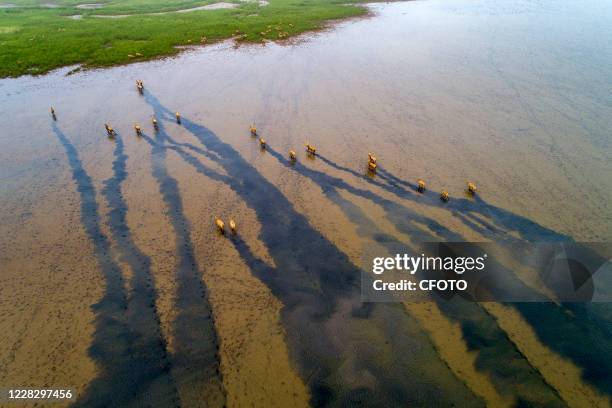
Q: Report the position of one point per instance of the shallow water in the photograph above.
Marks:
(213, 6)
(90, 6)
(511, 95)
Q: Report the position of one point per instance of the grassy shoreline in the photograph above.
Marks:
(36, 38)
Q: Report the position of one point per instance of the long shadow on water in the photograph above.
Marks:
(195, 356)
(346, 351)
(583, 336)
(515, 377)
(119, 333)
(186, 156)
(563, 334)
(502, 221)
(127, 344)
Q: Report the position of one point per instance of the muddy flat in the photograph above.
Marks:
(115, 281)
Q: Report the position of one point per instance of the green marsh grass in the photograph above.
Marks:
(35, 39)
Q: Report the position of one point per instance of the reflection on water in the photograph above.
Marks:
(512, 95)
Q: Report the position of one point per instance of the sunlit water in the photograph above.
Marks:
(512, 95)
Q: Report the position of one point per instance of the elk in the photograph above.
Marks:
(109, 129)
(311, 149)
(220, 225)
(421, 185)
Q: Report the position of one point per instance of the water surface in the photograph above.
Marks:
(512, 95)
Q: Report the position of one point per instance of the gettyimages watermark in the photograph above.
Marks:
(485, 272)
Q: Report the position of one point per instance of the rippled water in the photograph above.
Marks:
(512, 95)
